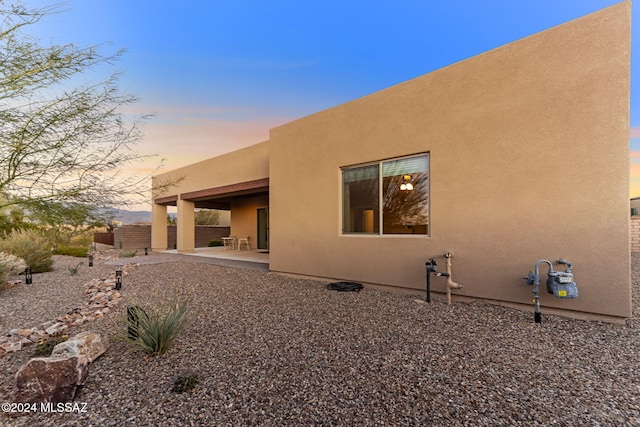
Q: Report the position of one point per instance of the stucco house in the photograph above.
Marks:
(514, 155)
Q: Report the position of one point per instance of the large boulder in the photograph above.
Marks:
(50, 379)
(89, 344)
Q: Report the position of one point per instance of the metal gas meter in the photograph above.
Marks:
(559, 283)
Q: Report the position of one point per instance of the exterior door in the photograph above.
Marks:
(263, 228)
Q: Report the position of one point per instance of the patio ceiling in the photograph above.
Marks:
(220, 197)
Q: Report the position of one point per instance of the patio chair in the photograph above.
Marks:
(244, 240)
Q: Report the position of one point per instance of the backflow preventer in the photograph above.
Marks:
(432, 268)
(560, 284)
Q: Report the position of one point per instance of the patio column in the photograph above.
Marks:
(186, 234)
(159, 234)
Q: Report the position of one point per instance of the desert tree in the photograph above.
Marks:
(65, 139)
(206, 217)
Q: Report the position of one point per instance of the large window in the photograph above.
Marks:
(387, 197)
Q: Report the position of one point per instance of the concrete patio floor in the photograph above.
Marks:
(252, 255)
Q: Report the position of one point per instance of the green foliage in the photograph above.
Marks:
(127, 254)
(70, 214)
(76, 251)
(46, 346)
(206, 217)
(31, 247)
(62, 224)
(74, 270)
(83, 238)
(214, 243)
(65, 128)
(154, 330)
(12, 218)
(10, 265)
(65, 224)
(184, 383)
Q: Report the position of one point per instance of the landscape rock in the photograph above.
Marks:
(38, 336)
(11, 346)
(101, 299)
(22, 332)
(50, 379)
(25, 341)
(89, 344)
(46, 325)
(368, 358)
(97, 296)
(56, 328)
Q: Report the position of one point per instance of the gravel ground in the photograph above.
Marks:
(270, 350)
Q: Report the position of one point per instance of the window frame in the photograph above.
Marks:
(380, 207)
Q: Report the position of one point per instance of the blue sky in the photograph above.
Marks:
(219, 74)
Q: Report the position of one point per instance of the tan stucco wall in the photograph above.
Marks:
(244, 217)
(243, 165)
(529, 160)
(224, 218)
(248, 164)
(159, 235)
(185, 226)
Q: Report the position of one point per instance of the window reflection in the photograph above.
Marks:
(405, 211)
(403, 198)
(361, 200)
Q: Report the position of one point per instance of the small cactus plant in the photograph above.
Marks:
(74, 270)
(185, 383)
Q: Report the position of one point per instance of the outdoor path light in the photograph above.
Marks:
(90, 260)
(119, 278)
(28, 276)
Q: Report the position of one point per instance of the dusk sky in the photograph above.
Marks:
(219, 74)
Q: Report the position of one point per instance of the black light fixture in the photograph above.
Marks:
(28, 276)
(119, 279)
(90, 260)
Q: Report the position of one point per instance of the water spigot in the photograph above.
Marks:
(432, 266)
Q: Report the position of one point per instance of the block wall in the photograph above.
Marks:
(138, 237)
(635, 234)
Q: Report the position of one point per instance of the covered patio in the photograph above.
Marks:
(252, 255)
(217, 183)
(248, 203)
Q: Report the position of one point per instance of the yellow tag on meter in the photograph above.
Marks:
(562, 293)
